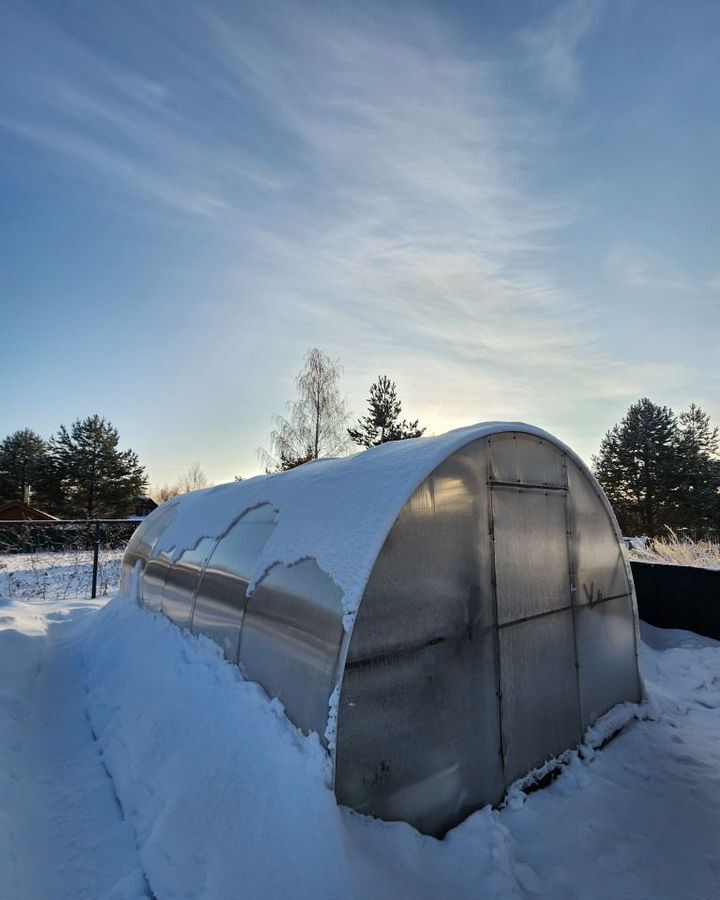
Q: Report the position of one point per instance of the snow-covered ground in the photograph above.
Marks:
(134, 762)
(57, 576)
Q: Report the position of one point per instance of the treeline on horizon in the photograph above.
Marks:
(659, 470)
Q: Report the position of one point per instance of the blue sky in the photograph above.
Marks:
(511, 209)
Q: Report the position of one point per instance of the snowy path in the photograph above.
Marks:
(118, 732)
(67, 835)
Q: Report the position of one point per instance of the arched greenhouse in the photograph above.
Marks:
(448, 613)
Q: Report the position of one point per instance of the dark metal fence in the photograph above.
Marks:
(63, 550)
(685, 597)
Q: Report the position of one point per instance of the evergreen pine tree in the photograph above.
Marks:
(95, 477)
(639, 466)
(24, 464)
(700, 471)
(382, 423)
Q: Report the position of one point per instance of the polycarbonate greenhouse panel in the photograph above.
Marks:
(291, 639)
(523, 459)
(601, 569)
(143, 541)
(220, 603)
(418, 735)
(606, 652)
(532, 564)
(425, 583)
(182, 581)
(418, 731)
(154, 576)
(540, 702)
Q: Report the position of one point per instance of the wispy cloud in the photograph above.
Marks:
(358, 172)
(424, 235)
(554, 45)
(634, 268)
(134, 132)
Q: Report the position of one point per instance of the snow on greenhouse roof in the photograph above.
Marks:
(336, 511)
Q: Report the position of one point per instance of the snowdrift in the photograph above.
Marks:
(227, 798)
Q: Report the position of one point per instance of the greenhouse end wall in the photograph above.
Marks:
(498, 624)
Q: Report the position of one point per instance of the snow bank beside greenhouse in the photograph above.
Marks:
(226, 798)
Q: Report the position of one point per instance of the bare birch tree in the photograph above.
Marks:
(316, 424)
(193, 480)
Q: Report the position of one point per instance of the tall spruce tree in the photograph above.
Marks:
(699, 501)
(639, 466)
(383, 423)
(24, 466)
(95, 477)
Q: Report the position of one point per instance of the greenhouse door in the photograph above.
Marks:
(538, 678)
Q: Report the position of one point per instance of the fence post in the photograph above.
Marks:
(96, 552)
